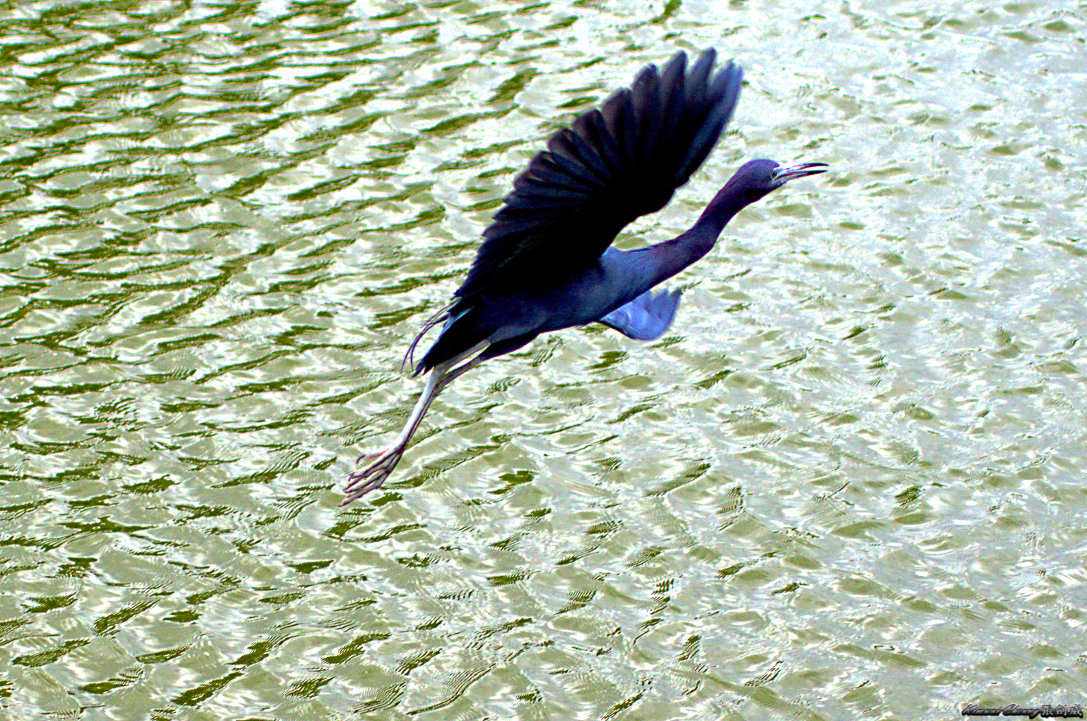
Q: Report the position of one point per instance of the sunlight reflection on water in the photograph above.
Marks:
(846, 483)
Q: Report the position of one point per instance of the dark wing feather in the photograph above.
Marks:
(611, 166)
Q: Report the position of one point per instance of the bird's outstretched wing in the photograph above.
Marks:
(613, 165)
(646, 317)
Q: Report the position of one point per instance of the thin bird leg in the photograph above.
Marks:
(382, 463)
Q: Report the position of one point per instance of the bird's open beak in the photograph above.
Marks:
(784, 174)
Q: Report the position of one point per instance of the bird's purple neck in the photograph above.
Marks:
(672, 256)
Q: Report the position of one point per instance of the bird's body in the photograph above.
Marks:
(510, 320)
(547, 263)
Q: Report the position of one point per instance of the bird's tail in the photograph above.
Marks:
(436, 319)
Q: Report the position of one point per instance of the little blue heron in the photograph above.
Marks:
(547, 262)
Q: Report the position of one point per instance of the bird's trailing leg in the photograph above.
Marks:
(382, 463)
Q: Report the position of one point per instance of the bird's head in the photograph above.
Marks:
(757, 178)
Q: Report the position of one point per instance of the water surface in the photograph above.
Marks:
(846, 484)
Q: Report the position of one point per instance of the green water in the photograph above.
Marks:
(847, 484)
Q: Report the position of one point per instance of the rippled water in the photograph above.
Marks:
(846, 485)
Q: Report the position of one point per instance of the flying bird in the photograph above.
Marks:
(546, 261)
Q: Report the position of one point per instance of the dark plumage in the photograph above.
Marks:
(546, 261)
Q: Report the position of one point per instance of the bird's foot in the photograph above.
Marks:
(370, 477)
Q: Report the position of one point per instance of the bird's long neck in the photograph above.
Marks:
(672, 256)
